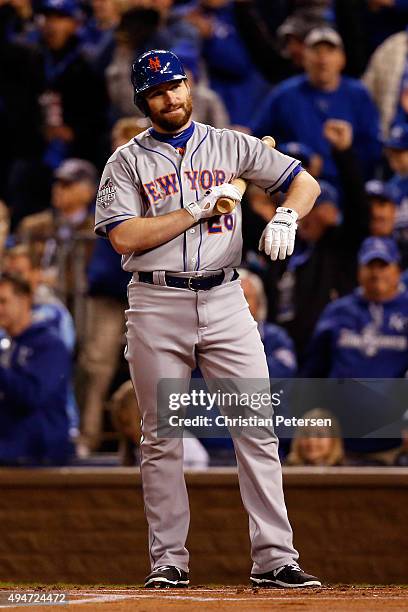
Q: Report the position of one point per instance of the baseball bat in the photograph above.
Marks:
(226, 205)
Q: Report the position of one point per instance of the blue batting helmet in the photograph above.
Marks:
(154, 68)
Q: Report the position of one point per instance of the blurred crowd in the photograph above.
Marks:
(328, 79)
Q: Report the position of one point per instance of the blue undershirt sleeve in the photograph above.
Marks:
(110, 226)
(287, 182)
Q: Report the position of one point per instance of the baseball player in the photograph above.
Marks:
(156, 203)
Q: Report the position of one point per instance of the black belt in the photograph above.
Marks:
(194, 283)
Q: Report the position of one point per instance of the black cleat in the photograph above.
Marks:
(288, 576)
(167, 577)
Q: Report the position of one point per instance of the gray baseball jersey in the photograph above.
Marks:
(146, 178)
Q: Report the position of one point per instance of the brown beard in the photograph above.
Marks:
(173, 125)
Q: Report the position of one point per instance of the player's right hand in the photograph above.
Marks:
(204, 207)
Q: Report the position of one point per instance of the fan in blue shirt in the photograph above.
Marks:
(298, 108)
(35, 370)
(364, 335)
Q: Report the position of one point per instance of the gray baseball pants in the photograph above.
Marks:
(169, 332)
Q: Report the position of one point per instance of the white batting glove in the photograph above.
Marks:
(278, 237)
(204, 207)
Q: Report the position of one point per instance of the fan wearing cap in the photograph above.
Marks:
(382, 208)
(365, 334)
(278, 56)
(396, 148)
(299, 108)
(71, 213)
(383, 214)
(60, 19)
(72, 194)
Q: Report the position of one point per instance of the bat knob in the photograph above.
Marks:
(225, 206)
(270, 141)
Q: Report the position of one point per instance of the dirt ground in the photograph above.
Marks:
(242, 599)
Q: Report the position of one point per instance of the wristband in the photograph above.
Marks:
(194, 210)
(288, 211)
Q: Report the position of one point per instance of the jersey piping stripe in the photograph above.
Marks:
(115, 217)
(197, 266)
(278, 181)
(181, 194)
(199, 247)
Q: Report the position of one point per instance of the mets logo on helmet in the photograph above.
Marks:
(154, 63)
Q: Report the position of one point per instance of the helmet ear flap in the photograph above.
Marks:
(138, 98)
(141, 103)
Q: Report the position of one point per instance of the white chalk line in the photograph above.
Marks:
(253, 598)
(99, 599)
(122, 595)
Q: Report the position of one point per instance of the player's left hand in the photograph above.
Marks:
(278, 237)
